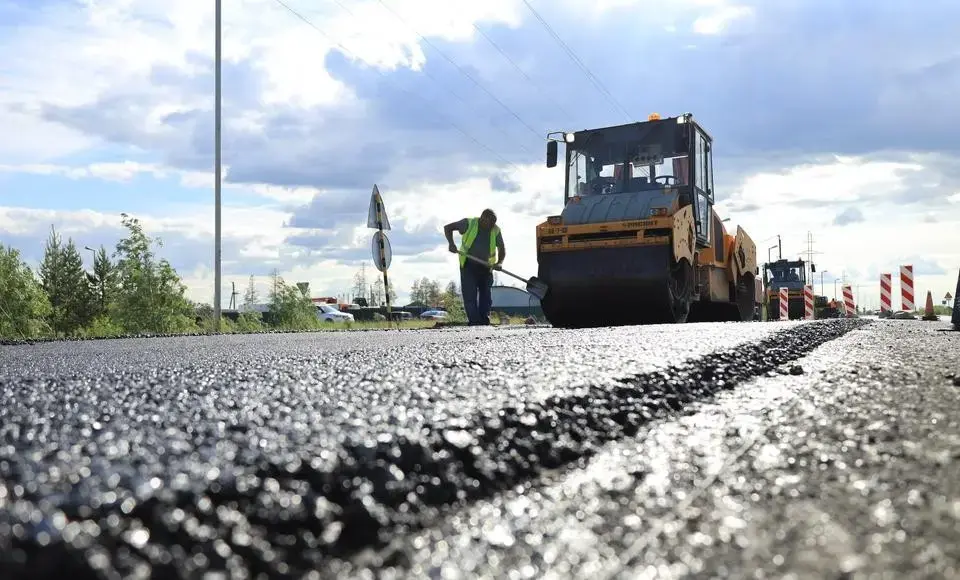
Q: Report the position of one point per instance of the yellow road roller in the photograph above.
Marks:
(638, 240)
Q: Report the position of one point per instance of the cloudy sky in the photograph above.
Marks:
(834, 118)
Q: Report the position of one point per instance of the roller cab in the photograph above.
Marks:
(638, 240)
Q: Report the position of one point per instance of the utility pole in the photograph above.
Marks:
(810, 252)
(216, 171)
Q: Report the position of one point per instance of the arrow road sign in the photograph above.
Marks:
(382, 253)
(377, 214)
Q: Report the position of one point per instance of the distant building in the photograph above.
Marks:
(515, 301)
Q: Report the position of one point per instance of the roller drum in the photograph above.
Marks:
(608, 286)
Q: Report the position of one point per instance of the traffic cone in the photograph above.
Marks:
(928, 313)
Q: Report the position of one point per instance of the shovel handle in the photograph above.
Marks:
(479, 261)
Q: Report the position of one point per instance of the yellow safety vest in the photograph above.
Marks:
(473, 225)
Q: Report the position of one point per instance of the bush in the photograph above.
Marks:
(249, 322)
(101, 326)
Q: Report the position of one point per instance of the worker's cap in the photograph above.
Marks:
(490, 214)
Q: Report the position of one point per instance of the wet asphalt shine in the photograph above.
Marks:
(827, 449)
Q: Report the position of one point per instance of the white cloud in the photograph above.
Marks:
(717, 21)
(846, 179)
(109, 171)
(125, 171)
(809, 197)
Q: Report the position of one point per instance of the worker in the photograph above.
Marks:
(480, 238)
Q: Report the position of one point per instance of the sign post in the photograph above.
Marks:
(382, 252)
(955, 317)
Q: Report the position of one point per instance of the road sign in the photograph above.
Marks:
(382, 253)
(377, 213)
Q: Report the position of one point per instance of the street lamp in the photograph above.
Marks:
(216, 171)
(822, 272)
(842, 280)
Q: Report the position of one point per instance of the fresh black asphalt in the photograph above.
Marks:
(721, 450)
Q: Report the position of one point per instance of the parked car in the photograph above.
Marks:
(433, 315)
(329, 313)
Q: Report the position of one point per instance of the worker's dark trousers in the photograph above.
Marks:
(475, 284)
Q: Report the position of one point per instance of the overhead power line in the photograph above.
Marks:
(310, 23)
(448, 89)
(465, 73)
(545, 93)
(576, 60)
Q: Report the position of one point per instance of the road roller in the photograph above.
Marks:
(638, 240)
(789, 274)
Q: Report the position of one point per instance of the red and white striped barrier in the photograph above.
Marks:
(808, 311)
(906, 288)
(784, 304)
(886, 289)
(848, 305)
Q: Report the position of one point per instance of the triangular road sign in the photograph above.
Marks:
(377, 213)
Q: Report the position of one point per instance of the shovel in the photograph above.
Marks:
(535, 286)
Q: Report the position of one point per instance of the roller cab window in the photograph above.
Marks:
(613, 169)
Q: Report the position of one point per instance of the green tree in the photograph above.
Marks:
(392, 293)
(250, 320)
(377, 297)
(51, 280)
(65, 283)
(452, 302)
(250, 296)
(290, 307)
(415, 292)
(103, 281)
(434, 294)
(80, 304)
(426, 292)
(361, 286)
(23, 304)
(451, 296)
(151, 296)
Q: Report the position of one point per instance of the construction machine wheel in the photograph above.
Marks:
(740, 308)
(745, 294)
(680, 290)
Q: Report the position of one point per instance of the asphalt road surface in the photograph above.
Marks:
(802, 450)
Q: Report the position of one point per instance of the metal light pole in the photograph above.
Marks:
(822, 272)
(216, 176)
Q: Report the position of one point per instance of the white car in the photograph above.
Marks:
(328, 313)
(434, 314)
